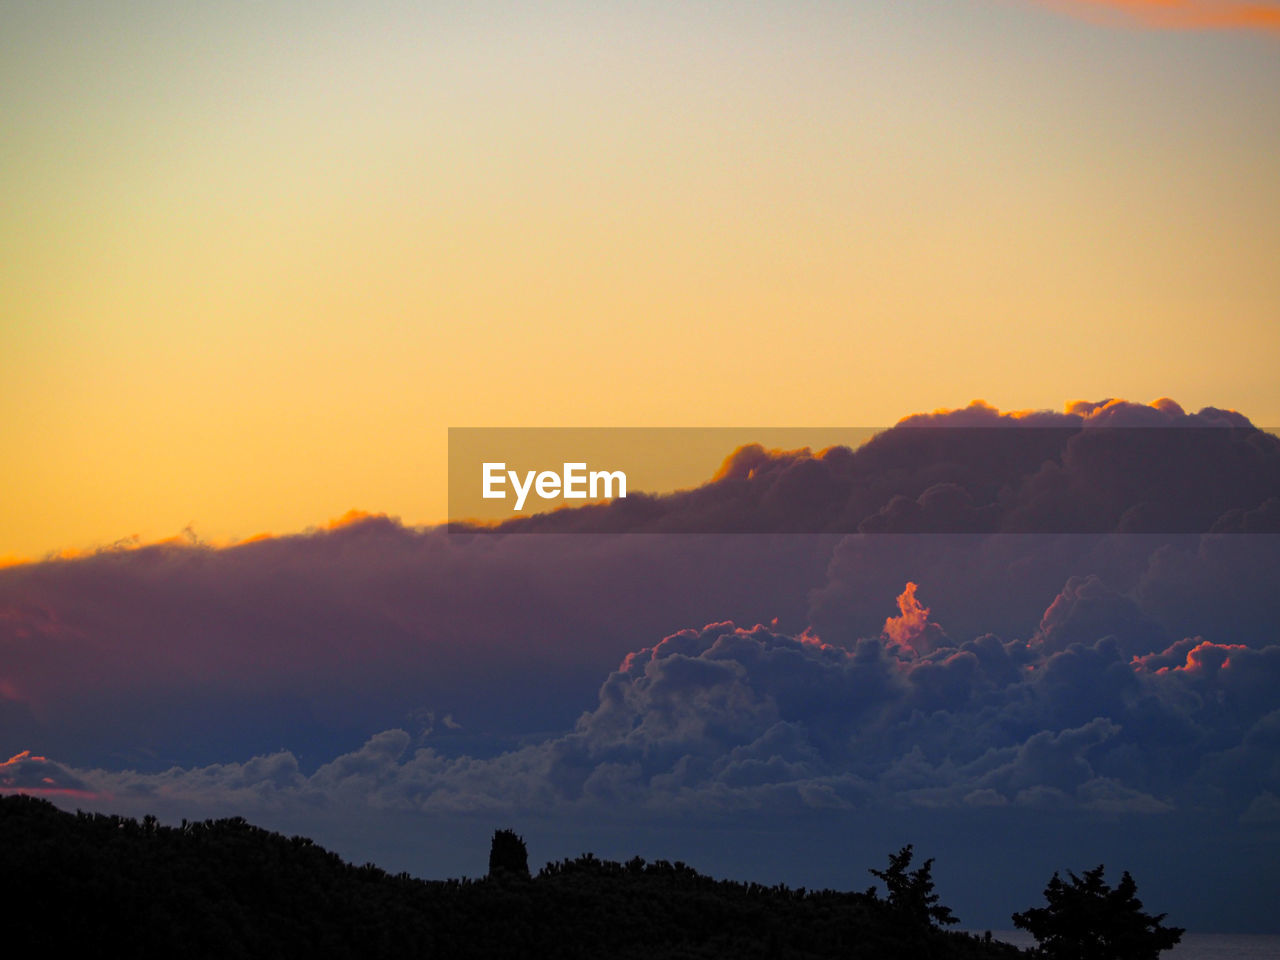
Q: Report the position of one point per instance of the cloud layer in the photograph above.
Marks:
(1102, 467)
(371, 672)
(731, 719)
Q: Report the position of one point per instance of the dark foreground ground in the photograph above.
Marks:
(225, 888)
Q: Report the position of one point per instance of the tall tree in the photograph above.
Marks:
(508, 855)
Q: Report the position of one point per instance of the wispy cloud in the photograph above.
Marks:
(1177, 14)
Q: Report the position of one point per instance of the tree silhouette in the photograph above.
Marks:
(911, 894)
(508, 855)
(1086, 919)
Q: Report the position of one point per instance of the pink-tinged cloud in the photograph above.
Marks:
(1201, 657)
(1176, 14)
(25, 773)
(912, 629)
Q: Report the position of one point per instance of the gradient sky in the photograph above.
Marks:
(256, 258)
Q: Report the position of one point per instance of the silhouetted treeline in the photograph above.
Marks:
(225, 888)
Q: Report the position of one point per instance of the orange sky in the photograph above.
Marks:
(254, 265)
(1180, 14)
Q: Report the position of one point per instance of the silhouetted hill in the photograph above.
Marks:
(225, 888)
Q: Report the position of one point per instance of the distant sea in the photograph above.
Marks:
(1194, 946)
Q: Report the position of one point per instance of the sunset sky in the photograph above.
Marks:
(256, 258)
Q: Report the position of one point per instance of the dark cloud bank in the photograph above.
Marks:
(1013, 703)
(1110, 467)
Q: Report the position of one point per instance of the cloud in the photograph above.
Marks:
(376, 675)
(912, 629)
(177, 652)
(184, 654)
(1107, 466)
(1265, 809)
(733, 719)
(1148, 591)
(1177, 14)
(24, 773)
(736, 747)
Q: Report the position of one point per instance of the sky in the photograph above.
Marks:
(256, 260)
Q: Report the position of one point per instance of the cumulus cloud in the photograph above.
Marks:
(726, 718)
(1147, 591)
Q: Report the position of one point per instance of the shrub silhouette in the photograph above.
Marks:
(508, 855)
(1086, 919)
